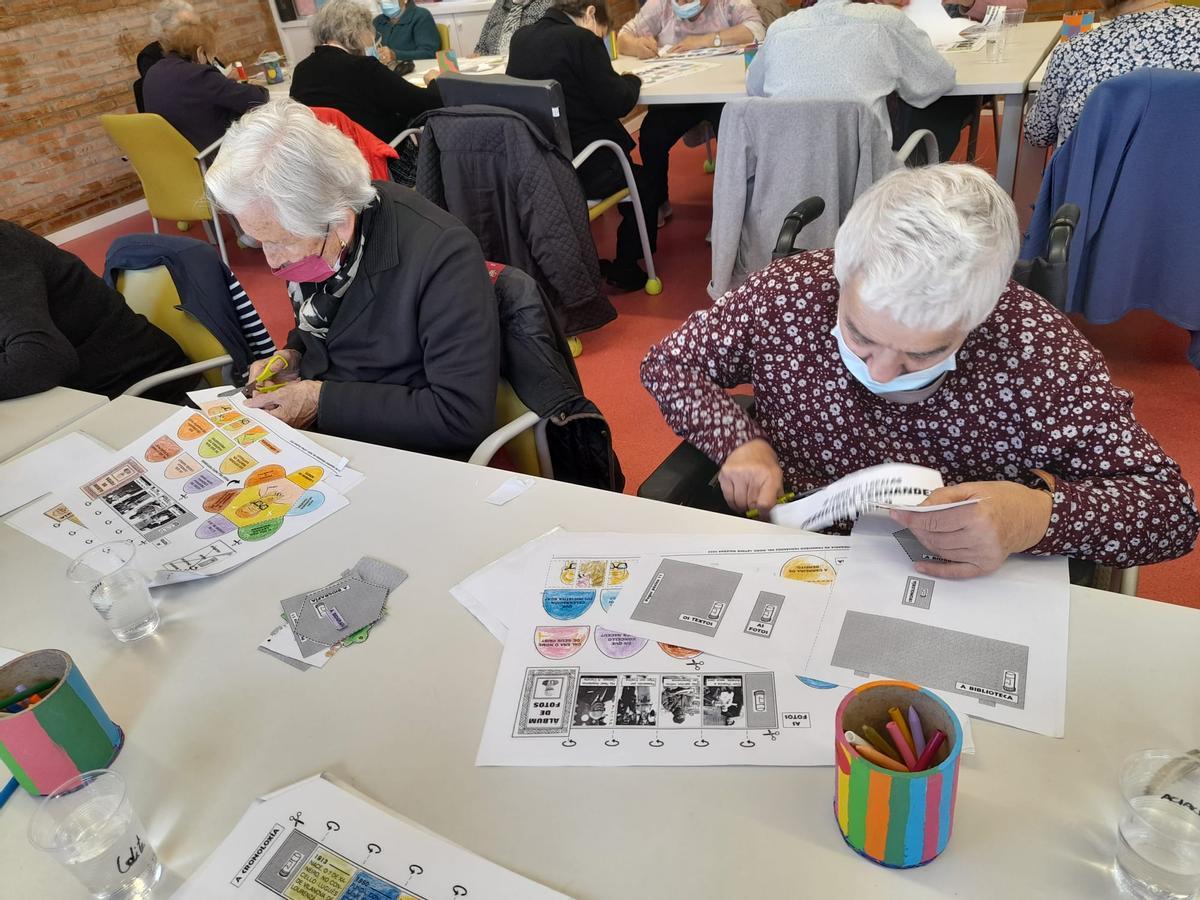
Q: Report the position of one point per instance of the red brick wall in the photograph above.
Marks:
(61, 66)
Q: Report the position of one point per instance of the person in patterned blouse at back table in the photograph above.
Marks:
(1144, 34)
(909, 343)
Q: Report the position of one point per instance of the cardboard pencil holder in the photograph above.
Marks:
(1074, 23)
(897, 819)
(66, 733)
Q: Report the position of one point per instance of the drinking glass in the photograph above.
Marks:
(88, 825)
(117, 589)
(1158, 837)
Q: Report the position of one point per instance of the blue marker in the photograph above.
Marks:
(8, 790)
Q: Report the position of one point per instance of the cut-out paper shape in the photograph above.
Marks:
(308, 502)
(812, 569)
(195, 426)
(162, 449)
(265, 443)
(215, 527)
(236, 424)
(308, 476)
(250, 435)
(214, 445)
(560, 641)
(567, 604)
(264, 474)
(608, 598)
(677, 652)
(261, 531)
(183, 467)
(218, 409)
(819, 685)
(617, 644)
(215, 503)
(237, 461)
(205, 481)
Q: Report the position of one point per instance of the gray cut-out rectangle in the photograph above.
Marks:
(917, 592)
(966, 664)
(684, 595)
(287, 861)
(761, 707)
(765, 614)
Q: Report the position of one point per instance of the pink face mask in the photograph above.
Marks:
(311, 268)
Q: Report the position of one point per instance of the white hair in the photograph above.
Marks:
(344, 22)
(932, 247)
(308, 173)
(169, 14)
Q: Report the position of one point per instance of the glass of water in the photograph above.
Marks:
(88, 825)
(117, 589)
(1158, 838)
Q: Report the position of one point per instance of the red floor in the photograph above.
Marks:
(1146, 354)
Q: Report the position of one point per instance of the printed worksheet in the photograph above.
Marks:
(199, 494)
(997, 644)
(575, 689)
(318, 840)
(664, 70)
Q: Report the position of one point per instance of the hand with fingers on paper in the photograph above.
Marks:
(751, 477)
(976, 539)
(294, 402)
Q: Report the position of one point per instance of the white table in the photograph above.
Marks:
(212, 723)
(27, 420)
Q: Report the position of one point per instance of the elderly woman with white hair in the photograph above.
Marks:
(342, 73)
(908, 343)
(397, 335)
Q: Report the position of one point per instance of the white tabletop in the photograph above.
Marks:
(27, 420)
(1027, 46)
(212, 723)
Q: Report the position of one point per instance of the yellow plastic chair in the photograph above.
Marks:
(170, 169)
(444, 34)
(152, 293)
(520, 431)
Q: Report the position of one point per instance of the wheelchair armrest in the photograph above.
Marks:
(1058, 242)
(802, 213)
(684, 478)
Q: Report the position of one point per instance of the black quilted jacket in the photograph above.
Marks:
(494, 171)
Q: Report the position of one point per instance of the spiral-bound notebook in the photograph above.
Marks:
(888, 486)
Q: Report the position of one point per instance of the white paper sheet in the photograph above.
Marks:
(28, 477)
(997, 645)
(318, 839)
(199, 494)
(931, 17)
(573, 689)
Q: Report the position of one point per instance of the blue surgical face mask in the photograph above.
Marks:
(390, 9)
(371, 51)
(909, 381)
(687, 10)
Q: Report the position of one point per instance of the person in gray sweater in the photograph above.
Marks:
(864, 51)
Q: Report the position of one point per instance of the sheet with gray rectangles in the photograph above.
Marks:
(687, 596)
(991, 671)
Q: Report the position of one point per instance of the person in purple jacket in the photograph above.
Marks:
(189, 92)
(909, 343)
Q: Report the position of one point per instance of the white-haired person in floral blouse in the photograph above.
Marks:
(909, 343)
(1144, 34)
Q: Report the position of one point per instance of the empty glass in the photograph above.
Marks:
(1158, 837)
(117, 589)
(88, 825)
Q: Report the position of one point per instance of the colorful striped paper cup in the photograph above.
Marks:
(67, 733)
(897, 819)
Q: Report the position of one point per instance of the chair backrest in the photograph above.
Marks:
(444, 35)
(152, 293)
(166, 164)
(541, 102)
